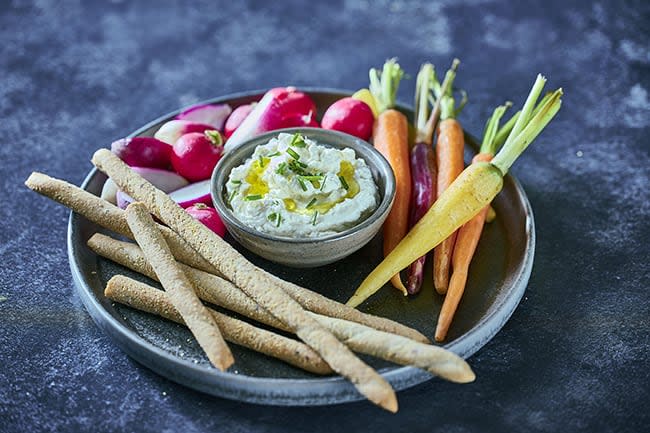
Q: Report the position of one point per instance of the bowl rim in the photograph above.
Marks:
(385, 204)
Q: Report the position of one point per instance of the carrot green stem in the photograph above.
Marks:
(489, 145)
(423, 87)
(444, 94)
(384, 84)
(516, 144)
(432, 123)
(505, 130)
(528, 108)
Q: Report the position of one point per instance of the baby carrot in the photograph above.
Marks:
(449, 159)
(390, 138)
(468, 236)
(475, 188)
(423, 167)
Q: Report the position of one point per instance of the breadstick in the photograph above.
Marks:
(254, 282)
(107, 215)
(146, 298)
(359, 338)
(130, 256)
(177, 285)
(400, 350)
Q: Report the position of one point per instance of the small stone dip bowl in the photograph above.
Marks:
(314, 251)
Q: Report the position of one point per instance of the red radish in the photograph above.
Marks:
(351, 116)
(207, 216)
(214, 115)
(298, 119)
(276, 107)
(198, 192)
(165, 180)
(237, 117)
(171, 131)
(142, 152)
(194, 155)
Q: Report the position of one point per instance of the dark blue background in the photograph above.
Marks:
(574, 357)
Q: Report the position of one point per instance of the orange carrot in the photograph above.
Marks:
(468, 235)
(449, 160)
(390, 138)
(449, 157)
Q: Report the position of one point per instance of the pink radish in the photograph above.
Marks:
(236, 118)
(351, 116)
(214, 115)
(198, 192)
(165, 180)
(207, 216)
(171, 131)
(142, 152)
(272, 112)
(194, 155)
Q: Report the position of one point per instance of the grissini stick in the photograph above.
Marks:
(250, 279)
(107, 215)
(178, 286)
(360, 338)
(111, 217)
(146, 298)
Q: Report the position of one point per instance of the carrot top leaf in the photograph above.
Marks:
(424, 83)
(384, 84)
(530, 122)
(443, 94)
(489, 144)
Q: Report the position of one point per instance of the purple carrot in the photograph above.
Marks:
(423, 175)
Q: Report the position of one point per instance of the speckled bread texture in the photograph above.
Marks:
(250, 279)
(178, 286)
(360, 338)
(107, 215)
(144, 297)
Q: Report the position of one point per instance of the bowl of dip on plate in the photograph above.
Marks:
(303, 197)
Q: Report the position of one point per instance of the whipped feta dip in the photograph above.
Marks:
(294, 187)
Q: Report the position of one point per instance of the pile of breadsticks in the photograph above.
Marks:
(193, 264)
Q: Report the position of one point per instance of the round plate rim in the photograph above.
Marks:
(279, 391)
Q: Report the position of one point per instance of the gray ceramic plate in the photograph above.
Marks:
(497, 281)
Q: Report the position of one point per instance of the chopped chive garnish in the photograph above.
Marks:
(232, 195)
(236, 182)
(302, 184)
(261, 161)
(293, 153)
(282, 168)
(344, 184)
(313, 220)
(252, 197)
(322, 185)
(275, 217)
(271, 155)
(298, 140)
(311, 203)
(311, 177)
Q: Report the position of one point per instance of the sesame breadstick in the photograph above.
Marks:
(146, 298)
(357, 337)
(107, 215)
(250, 279)
(177, 285)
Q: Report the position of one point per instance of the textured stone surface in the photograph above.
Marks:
(574, 357)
